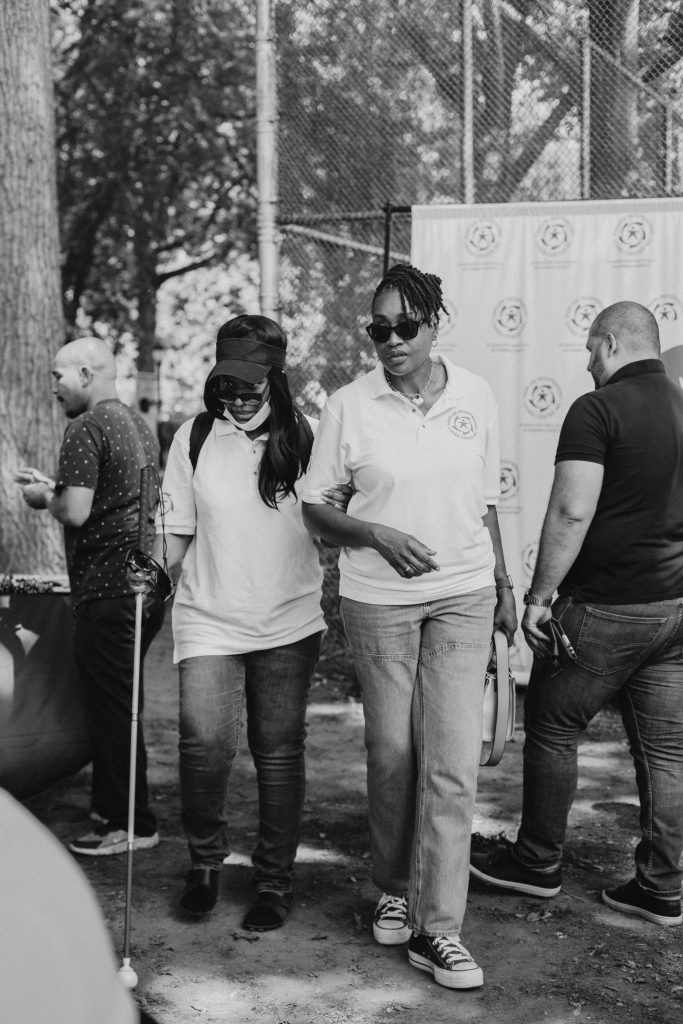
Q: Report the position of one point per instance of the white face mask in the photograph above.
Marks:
(259, 417)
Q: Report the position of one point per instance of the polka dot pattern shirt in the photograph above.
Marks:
(104, 450)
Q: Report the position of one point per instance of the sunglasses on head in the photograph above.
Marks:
(406, 330)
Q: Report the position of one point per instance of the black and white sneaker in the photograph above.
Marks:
(500, 868)
(446, 959)
(633, 900)
(390, 927)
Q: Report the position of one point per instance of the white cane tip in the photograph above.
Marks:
(128, 976)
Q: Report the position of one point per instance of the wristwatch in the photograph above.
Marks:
(505, 583)
(541, 602)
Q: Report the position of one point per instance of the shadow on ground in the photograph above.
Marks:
(545, 962)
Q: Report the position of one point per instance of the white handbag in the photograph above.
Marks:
(499, 702)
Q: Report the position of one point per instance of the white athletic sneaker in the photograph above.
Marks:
(389, 926)
(104, 841)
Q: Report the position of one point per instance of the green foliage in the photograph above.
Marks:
(156, 147)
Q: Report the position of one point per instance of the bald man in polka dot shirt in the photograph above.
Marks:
(96, 497)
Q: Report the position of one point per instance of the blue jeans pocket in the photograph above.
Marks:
(609, 641)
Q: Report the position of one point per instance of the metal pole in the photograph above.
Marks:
(585, 114)
(668, 149)
(467, 104)
(266, 158)
(387, 237)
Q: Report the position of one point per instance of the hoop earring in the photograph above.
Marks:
(435, 341)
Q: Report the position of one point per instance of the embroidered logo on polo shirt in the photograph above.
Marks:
(463, 424)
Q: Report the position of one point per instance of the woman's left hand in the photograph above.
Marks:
(339, 496)
(505, 615)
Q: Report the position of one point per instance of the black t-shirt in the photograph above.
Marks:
(104, 450)
(633, 426)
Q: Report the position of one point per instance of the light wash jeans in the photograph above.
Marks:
(632, 652)
(212, 688)
(421, 670)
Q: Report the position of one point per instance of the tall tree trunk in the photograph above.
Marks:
(31, 326)
(613, 26)
(147, 283)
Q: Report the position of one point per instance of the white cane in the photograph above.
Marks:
(126, 971)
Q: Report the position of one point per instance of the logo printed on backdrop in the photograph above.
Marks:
(482, 237)
(529, 554)
(463, 424)
(542, 397)
(509, 488)
(633, 234)
(582, 313)
(509, 480)
(554, 236)
(448, 320)
(666, 309)
(510, 317)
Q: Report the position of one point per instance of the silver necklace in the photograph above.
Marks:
(416, 400)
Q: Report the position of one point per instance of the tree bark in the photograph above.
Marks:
(31, 326)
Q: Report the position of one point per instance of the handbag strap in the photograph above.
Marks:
(500, 646)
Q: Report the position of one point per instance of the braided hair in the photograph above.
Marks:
(419, 291)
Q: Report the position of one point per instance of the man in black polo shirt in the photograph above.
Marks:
(612, 546)
(96, 496)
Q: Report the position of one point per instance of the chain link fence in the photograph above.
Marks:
(393, 103)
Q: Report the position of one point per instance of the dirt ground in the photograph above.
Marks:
(545, 961)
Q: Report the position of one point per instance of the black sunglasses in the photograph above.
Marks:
(560, 645)
(140, 563)
(406, 330)
(227, 393)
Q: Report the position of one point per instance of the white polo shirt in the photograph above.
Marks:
(251, 577)
(428, 475)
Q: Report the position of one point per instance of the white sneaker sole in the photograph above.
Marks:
(472, 977)
(139, 843)
(646, 915)
(391, 936)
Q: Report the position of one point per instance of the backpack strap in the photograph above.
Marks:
(201, 428)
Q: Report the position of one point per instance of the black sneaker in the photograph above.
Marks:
(390, 923)
(500, 868)
(446, 959)
(201, 890)
(634, 900)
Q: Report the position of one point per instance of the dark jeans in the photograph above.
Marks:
(212, 688)
(104, 644)
(634, 653)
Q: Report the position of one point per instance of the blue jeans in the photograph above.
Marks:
(634, 653)
(212, 689)
(421, 670)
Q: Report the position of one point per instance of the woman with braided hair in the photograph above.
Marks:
(423, 584)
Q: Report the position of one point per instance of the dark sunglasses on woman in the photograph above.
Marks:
(228, 393)
(406, 330)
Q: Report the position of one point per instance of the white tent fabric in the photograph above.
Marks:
(522, 284)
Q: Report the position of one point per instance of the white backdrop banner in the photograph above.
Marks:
(522, 284)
